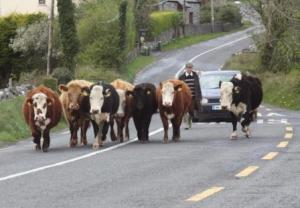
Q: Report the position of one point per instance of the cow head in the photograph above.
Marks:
(75, 94)
(140, 96)
(97, 95)
(122, 102)
(168, 91)
(226, 89)
(40, 103)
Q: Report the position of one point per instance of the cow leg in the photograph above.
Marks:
(73, 128)
(37, 139)
(246, 123)
(121, 123)
(126, 128)
(46, 143)
(138, 127)
(84, 127)
(113, 136)
(98, 138)
(146, 128)
(104, 130)
(176, 130)
(234, 125)
(166, 127)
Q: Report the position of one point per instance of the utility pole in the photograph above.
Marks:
(183, 17)
(212, 12)
(49, 55)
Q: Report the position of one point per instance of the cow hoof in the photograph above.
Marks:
(176, 139)
(126, 138)
(37, 147)
(96, 146)
(234, 137)
(45, 149)
(73, 143)
(113, 138)
(248, 134)
(165, 141)
(83, 142)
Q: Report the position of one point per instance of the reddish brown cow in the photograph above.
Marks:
(42, 111)
(76, 108)
(124, 110)
(174, 98)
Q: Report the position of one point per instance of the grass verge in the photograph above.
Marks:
(12, 124)
(191, 40)
(280, 89)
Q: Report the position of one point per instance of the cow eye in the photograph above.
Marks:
(35, 105)
(45, 105)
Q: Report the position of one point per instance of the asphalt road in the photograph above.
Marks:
(198, 171)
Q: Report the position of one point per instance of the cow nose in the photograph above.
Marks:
(168, 104)
(74, 106)
(224, 107)
(94, 111)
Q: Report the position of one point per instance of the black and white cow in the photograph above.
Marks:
(104, 102)
(242, 95)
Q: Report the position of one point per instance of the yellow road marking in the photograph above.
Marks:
(288, 136)
(282, 144)
(246, 172)
(270, 156)
(289, 129)
(203, 195)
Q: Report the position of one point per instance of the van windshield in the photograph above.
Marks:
(211, 81)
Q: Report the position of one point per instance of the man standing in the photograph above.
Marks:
(191, 78)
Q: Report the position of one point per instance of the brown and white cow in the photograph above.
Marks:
(124, 110)
(174, 98)
(42, 111)
(76, 108)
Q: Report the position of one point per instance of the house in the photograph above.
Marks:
(27, 6)
(190, 8)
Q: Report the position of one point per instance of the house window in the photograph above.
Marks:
(191, 18)
(42, 2)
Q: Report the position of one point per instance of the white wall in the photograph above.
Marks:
(25, 6)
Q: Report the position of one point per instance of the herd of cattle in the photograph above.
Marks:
(102, 104)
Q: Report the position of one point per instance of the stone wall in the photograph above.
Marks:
(191, 29)
(8, 93)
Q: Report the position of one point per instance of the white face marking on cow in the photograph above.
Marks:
(167, 92)
(238, 76)
(122, 102)
(39, 102)
(226, 95)
(96, 99)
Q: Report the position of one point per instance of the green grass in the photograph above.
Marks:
(12, 123)
(191, 40)
(132, 68)
(282, 90)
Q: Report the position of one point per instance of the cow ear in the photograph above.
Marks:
(178, 88)
(85, 91)
(50, 101)
(63, 88)
(29, 101)
(160, 85)
(107, 93)
(128, 93)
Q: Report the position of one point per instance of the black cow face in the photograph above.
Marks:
(140, 97)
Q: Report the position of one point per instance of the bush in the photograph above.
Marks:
(230, 13)
(96, 74)
(163, 21)
(50, 82)
(205, 14)
(62, 74)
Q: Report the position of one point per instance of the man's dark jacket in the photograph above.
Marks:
(198, 94)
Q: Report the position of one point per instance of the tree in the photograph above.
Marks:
(68, 34)
(122, 24)
(278, 44)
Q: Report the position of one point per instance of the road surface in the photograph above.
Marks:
(204, 169)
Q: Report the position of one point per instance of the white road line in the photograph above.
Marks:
(74, 159)
(259, 115)
(210, 50)
(260, 121)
